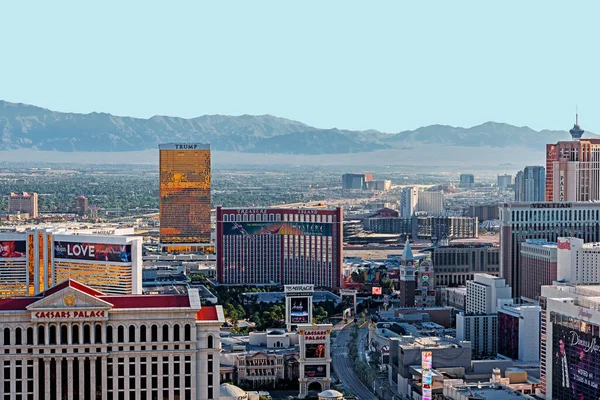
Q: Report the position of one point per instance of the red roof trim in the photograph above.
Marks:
(207, 313)
(148, 301)
(18, 304)
(75, 285)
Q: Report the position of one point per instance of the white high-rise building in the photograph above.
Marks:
(484, 292)
(431, 202)
(519, 332)
(409, 198)
(577, 262)
(479, 323)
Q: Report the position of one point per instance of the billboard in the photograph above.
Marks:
(315, 371)
(92, 251)
(426, 359)
(508, 335)
(299, 310)
(576, 360)
(277, 228)
(13, 249)
(314, 350)
(376, 290)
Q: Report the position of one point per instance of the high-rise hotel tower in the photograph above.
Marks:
(185, 197)
(573, 168)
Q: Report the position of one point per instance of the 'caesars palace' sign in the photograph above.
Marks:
(75, 314)
(315, 336)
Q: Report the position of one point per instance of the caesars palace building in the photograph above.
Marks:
(74, 342)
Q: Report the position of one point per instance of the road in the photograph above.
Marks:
(342, 366)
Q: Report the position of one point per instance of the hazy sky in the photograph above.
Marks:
(387, 65)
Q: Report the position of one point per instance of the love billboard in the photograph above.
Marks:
(92, 251)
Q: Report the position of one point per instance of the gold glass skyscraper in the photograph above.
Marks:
(184, 196)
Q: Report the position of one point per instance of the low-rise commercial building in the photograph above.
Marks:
(455, 264)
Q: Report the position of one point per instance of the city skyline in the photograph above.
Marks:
(357, 67)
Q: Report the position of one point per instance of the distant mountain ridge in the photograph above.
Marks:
(31, 127)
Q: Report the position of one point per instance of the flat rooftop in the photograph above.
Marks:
(491, 392)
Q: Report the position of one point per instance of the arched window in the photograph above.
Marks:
(187, 333)
(6, 337)
(52, 334)
(209, 342)
(165, 333)
(131, 334)
(64, 334)
(30, 336)
(143, 333)
(120, 334)
(18, 336)
(154, 333)
(176, 333)
(87, 334)
(109, 334)
(75, 334)
(98, 333)
(41, 335)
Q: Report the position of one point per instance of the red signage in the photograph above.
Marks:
(315, 336)
(78, 314)
(566, 245)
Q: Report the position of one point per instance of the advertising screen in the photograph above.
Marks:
(576, 361)
(426, 359)
(92, 251)
(299, 310)
(376, 290)
(314, 350)
(315, 371)
(277, 228)
(12, 249)
(508, 335)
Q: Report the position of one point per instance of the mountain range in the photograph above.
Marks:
(25, 126)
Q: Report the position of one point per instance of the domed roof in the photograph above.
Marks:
(330, 394)
(276, 332)
(229, 390)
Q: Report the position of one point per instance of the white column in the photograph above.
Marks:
(138, 378)
(36, 368)
(92, 377)
(24, 375)
(58, 362)
(13, 381)
(104, 378)
(126, 374)
(47, 377)
(160, 373)
(69, 378)
(202, 375)
(70, 333)
(81, 377)
(171, 391)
